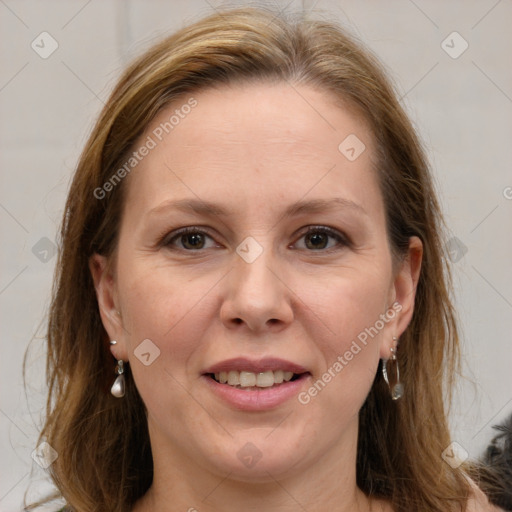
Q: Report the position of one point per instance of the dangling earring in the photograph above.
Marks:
(117, 388)
(397, 390)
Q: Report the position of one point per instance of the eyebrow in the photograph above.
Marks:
(300, 207)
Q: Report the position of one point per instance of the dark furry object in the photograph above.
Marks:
(496, 480)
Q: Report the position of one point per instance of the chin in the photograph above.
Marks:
(265, 470)
(261, 457)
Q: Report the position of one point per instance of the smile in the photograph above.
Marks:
(252, 381)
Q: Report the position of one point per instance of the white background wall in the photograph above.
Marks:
(461, 106)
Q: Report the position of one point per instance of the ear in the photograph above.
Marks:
(403, 293)
(106, 294)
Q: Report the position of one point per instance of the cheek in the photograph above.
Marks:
(345, 306)
(168, 309)
(157, 299)
(352, 312)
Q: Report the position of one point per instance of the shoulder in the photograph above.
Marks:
(478, 501)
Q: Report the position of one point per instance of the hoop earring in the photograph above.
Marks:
(117, 388)
(397, 390)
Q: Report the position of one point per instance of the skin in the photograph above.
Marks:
(254, 149)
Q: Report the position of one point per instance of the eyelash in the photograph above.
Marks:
(340, 238)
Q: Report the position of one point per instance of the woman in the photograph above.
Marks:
(251, 306)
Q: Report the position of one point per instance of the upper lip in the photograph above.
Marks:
(255, 366)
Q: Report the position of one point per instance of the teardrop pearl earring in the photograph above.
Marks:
(118, 388)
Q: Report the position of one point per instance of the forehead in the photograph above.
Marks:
(269, 113)
(271, 141)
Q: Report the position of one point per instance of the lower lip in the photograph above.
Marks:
(259, 399)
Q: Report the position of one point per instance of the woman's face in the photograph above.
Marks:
(248, 169)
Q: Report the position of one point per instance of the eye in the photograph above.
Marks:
(190, 239)
(317, 238)
(195, 239)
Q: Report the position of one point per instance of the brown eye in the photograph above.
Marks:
(193, 240)
(317, 238)
(189, 239)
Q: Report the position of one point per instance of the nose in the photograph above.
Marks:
(256, 295)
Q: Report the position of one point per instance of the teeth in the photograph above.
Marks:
(287, 375)
(233, 378)
(245, 379)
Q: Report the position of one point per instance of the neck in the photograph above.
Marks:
(185, 486)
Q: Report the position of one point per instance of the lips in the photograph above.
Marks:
(255, 384)
(256, 398)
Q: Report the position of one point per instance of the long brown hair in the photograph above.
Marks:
(104, 458)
